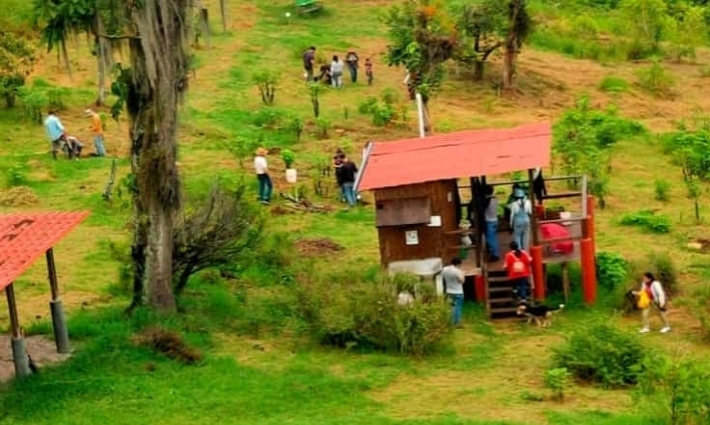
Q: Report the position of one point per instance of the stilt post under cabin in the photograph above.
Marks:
(477, 233)
(535, 247)
(19, 354)
(61, 334)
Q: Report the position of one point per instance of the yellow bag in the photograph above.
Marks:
(644, 301)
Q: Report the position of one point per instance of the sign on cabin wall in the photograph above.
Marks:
(403, 212)
(411, 237)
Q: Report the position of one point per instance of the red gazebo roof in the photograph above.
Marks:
(25, 237)
(455, 155)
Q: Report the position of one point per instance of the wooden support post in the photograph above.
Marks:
(533, 217)
(19, 354)
(205, 23)
(478, 234)
(61, 334)
(589, 275)
(480, 287)
(538, 275)
(590, 223)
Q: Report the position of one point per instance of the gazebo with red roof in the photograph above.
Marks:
(419, 209)
(23, 240)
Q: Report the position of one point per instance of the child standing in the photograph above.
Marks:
(368, 71)
(518, 264)
(652, 296)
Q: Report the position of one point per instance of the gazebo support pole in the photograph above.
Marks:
(61, 334)
(19, 354)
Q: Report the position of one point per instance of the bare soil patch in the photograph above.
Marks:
(42, 350)
(317, 247)
(19, 196)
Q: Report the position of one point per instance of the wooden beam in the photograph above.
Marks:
(12, 310)
(52, 274)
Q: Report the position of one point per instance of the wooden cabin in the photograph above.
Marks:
(422, 186)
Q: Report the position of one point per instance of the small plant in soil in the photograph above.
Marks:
(266, 81)
(557, 380)
(288, 158)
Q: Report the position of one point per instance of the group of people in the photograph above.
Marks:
(61, 141)
(518, 210)
(333, 74)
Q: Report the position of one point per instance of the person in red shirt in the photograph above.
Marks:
(518, 264)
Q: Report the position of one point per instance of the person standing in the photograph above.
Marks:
(490, 214)
(352, 60)
(518, 265)
(262, 175)
(520, 212)
(368, 71)
(337, 165)
(348, 171)
(336, 72)
(55, 132)
(652, 296)
(453, 283)
(98, 128)
(309, 58)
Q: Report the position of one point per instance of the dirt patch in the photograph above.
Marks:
(317, 247)
(42, 350)
(278, 211)
(169, 343)
(20, 196)
(700, 245)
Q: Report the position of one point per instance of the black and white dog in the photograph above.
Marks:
(541, 314)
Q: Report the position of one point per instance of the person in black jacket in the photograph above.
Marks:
(348, 172)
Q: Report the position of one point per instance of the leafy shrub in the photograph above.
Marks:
(16, 176)
(322, 128)
(656, 81)
(242, 148)
(664, 269)
(662, 187)
(288, 158)
(675, 391)
(383, 111)
(557, 380)
(367, 315)
(611, 270)
(601, 354)
(295, 126)
(34, 103)
(266, 81)
(614, 85)
(268, 117)
(648, 220)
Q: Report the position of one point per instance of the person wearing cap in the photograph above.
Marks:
(55, 131)
(262, 175)
(520, 212)
(98, 128)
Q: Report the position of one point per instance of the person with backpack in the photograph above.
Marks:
(454, 278)
(490, 214)
(520, 212)
(652, 296)
(518, 264)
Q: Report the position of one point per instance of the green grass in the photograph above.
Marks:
(259, 367)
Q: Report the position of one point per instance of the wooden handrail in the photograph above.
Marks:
(561, 220)
(562, 239)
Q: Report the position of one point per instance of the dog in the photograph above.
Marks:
(631, 301)
(541, 314)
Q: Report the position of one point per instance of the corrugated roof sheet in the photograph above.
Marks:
(26, 237)
(456, 155)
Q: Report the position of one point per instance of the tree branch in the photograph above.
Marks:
(119, 37)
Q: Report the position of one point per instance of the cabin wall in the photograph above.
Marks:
(432, 241)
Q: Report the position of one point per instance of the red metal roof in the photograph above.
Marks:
(25, 237)
(456, 155)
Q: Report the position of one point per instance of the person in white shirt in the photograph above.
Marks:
(454, 278)
(336, 72)
(262, 174)
(658, 301)
(520, 212)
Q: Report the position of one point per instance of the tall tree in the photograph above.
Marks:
(16, 62)
(159, 76)
(423, 36)
(482, 28)
(519, 28)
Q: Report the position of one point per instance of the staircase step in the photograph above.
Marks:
(500, 289)
(498, 279)
(502, 300)
(500, 310)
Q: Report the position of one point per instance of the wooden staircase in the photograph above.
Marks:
(500, 299)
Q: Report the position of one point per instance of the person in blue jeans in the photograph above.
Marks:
(262, 174)
(454, 278)
(490, 214)
(347, 174)
(520, 212)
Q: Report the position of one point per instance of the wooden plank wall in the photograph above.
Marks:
(433, 241)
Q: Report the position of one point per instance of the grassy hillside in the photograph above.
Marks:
(259, 367)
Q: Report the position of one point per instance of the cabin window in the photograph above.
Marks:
(403, 212)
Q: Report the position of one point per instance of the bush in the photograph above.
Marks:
(656, 81)
(383, 111)
(266, 81)
(288, 157)
(601, 354)
(611, 270)
(661, 190)
(322, 128)
(557, 380)
(613, 85)
(648, 220)
(367, 315)
(676, 392)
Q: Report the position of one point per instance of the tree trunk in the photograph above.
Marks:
(223, 12)
(159, 68)
(65, 58)
(509, 63)
(101, 100)
(478, 68)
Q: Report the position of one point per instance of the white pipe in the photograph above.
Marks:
(420, 115)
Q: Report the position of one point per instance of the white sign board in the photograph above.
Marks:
(434, 221)
(411, 237)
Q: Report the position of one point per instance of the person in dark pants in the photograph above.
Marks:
(368, 71)
(309, 58)
(262, 176)
(454, 278)
(348, 171)
(352, 60)
(518, 264)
